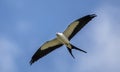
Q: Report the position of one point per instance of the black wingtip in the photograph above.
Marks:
(93, 15)
(87, 18)
(31, 62)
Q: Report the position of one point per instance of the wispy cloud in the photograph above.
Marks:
(105, 56)
(8, 52)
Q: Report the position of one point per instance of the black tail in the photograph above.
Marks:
(70, 51)
(73, 47)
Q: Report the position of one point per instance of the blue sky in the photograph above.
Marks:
(26, 24)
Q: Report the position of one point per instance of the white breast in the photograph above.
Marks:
(62, 38)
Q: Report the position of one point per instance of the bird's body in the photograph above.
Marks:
(63, 39)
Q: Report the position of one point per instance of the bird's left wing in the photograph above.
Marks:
(45, 49)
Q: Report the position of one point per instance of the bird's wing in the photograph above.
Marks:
(45, 49)
(77, 25)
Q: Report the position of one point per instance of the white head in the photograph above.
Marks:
(59, 33)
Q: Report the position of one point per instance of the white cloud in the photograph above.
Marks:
(105, 57)
(8, 52)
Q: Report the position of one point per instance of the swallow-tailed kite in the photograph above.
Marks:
(63, 39)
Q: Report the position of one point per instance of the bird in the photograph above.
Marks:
(63, 38)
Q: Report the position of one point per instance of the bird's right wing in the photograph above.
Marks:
(45, 49)
(77, 25)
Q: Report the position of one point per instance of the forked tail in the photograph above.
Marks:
(73, 47)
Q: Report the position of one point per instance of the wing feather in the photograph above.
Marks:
(77, 25)
(45, 49)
